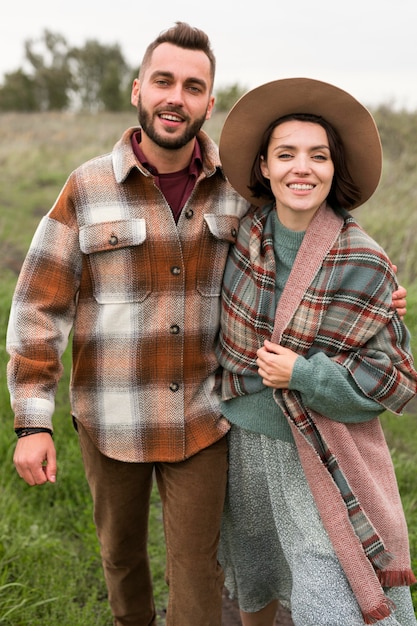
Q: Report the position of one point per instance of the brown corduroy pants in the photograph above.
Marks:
(192, 495)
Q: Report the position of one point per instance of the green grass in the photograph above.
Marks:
(50, 571)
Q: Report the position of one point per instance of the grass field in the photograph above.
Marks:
(50, 571)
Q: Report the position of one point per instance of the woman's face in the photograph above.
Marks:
(300, 170)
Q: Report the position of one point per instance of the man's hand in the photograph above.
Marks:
(275, 365)
(399, 300)
(35, 459)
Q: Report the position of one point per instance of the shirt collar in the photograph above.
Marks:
(194, 167)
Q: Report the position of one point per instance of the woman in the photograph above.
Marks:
(312, 353)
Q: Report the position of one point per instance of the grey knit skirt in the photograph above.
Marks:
(273, 543)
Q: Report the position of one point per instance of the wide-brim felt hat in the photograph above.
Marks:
(248, 119)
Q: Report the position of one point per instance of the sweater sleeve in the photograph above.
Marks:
(342, 400)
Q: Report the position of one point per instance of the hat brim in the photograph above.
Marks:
(244, 126)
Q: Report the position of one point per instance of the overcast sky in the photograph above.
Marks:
(368, 47)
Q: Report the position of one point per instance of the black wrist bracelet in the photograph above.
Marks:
(24, 432)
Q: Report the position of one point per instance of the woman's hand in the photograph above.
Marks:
(275, 365)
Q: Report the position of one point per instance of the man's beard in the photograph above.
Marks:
(169, 143)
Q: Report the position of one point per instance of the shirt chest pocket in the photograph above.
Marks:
(117, 258)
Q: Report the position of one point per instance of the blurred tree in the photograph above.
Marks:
(227, 96)
(18, 93)
(93, 77)
(51, 73)
(100, 76)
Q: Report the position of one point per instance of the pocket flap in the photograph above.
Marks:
(224, 227)
(112, 235)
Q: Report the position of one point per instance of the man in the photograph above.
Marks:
(131, 258)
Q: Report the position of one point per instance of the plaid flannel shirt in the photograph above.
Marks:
(141, 296)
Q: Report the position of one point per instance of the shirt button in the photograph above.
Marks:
(234, 232)
(175, 270)
(174, 329)
(174, 386)
(113, 241)
(189, 214)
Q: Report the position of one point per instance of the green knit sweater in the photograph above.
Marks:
(341, 400)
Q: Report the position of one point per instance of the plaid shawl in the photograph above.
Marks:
(337, 300)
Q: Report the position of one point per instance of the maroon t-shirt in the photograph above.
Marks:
(176, 186)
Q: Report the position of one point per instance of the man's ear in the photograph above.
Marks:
(134, 96)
